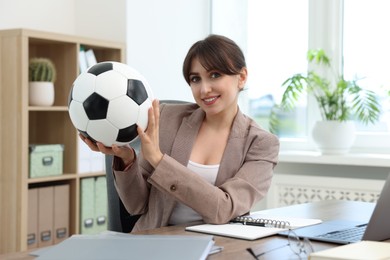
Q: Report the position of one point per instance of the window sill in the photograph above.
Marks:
(355, 159)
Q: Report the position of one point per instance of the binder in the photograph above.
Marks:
(61, 213)
(87, 205)
(101, 204)
(32, 225)
(45, 216)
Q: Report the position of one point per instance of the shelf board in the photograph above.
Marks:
(64, 177)
(61, 177)
(52, 108)
(91, 174)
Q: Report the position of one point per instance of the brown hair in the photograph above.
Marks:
(215, 52)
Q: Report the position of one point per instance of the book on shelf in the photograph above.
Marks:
(82, 60)
(88, 160)
(362, 250)
(115, 245)
(254, 226)
(91, 58)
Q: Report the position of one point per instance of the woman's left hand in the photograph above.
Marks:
(150, 145)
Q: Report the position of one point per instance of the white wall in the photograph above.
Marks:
(159, 34)
(101, 19)
(95, 19)
(56, 16)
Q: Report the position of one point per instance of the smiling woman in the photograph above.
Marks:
(189, 168)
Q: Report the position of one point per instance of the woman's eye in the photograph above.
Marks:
(194, 79)
(215, 75)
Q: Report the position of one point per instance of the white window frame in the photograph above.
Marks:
(325, 31)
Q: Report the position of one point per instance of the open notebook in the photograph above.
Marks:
(249, 227)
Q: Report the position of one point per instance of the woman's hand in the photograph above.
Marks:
(126, 153)
(150, 145)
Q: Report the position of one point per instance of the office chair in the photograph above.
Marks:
(118, 218)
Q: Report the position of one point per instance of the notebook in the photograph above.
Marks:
(362, 250)
(345, 232)
(162, 247)
(253, 226)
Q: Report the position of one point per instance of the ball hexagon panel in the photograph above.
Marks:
(83, 87)
(111, 84)
(96, 107)
(122, 112)
(78, 116)
(102, 131)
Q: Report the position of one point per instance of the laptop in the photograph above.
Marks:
(346, 232)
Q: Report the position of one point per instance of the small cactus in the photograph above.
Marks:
(41, 69)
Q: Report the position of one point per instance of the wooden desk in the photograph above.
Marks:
(236, 248)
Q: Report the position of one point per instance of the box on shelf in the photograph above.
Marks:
(46, 160)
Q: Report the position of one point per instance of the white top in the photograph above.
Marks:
(184, 214)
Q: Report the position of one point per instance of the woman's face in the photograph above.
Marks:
(213, 91)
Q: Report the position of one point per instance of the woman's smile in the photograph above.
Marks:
(210, 100)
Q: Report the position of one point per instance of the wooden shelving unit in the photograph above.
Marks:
(22, 124)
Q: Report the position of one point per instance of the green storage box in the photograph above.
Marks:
(46, 160)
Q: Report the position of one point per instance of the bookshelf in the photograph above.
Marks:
(22, 124)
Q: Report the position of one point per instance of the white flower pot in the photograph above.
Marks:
(41, 93)
(334, 137)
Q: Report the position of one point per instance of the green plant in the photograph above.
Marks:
(41, 69)
(338, 99)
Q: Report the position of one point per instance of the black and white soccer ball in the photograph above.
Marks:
(108, 101)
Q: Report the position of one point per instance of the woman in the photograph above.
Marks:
(205, 161)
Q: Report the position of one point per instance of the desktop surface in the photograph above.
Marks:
(236, 248)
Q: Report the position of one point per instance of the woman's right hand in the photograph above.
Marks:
(126, 152)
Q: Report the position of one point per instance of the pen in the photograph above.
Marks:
(258, 224)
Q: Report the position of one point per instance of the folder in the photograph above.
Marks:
(61, 213)
(45, 216)
(162, 247)
(87, 205)
(101, 204)
(32, 225)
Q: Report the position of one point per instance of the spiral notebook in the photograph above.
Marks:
(254, 226)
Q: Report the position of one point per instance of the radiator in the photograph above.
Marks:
(287, 189)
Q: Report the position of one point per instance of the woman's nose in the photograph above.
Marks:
(205, 86)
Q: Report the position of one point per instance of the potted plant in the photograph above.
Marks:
(339, 101)
(42, 74)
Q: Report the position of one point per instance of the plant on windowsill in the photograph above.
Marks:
(340, 101)
(42, 74)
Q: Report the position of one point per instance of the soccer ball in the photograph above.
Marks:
(108, 101)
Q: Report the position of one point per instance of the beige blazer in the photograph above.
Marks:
(244, 175)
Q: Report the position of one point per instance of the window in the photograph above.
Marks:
(277, 37)
(276, 49)
(367, 54)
